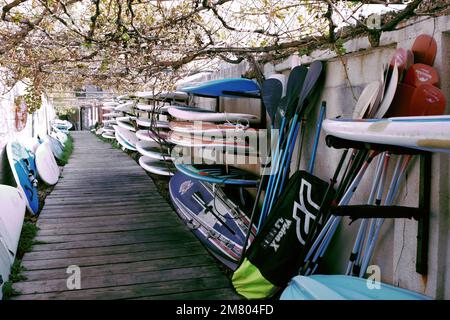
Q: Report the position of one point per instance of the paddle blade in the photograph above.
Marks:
(389, 94)
(272, 90)
(420, 73)
(295, 84)
(311, 81)
(417, 101)
(403, 60)
(424, 49)
(365, 100)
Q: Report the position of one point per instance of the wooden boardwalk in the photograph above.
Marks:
(106, 216)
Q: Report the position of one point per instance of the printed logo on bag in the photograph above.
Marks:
(301, 213)
(276, 234)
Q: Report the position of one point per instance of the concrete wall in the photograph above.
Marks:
(396, 249)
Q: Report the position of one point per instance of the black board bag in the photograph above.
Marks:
(278, 250)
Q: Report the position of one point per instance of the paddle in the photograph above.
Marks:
(272, 90)
(416, 101)
(315, 72)
(404, 59)
(296, 77)
(424, 49)
(419, 74)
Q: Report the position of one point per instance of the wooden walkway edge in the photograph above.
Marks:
(106, 217)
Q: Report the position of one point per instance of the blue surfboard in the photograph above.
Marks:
(232, 88)
(24, 170)
(341, 287)
(216, 221)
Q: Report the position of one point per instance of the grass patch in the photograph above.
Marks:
(26, 242)
(67, 152)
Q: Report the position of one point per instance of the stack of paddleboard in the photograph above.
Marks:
(107, 131)
(195, 189)
(152, 134)
(213, 133)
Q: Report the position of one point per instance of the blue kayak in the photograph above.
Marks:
(24, 170)
(225, 88)
(341, 287)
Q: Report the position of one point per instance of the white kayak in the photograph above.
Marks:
(46, 165)
(147, 123)
(13, 205)
(194, 114)
(429, 133)
(124, 135)
(162, 168)
(153, 150)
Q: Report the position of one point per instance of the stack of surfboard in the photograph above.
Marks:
(212, 133)
(152, 133)
(201, 203)
(107, 131)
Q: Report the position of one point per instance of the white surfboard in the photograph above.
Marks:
(108, 108)
(153, 150)
(112, 115)
(125, 107)
(109, 121)
(123, 143)
(146, 123)
(47, 167)
(12, 213)
(126, 135)
(198, 115)
(366, 99)
(430, 133)
(162, 109)
(162, 168)
(147, 135)
(389, 94)
(125, 122)
(110, 104)
(108, 135)
(5, 266)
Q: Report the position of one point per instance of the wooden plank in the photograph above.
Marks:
(98, 251)
(134, 291)
(114, 280)
(155, 254)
